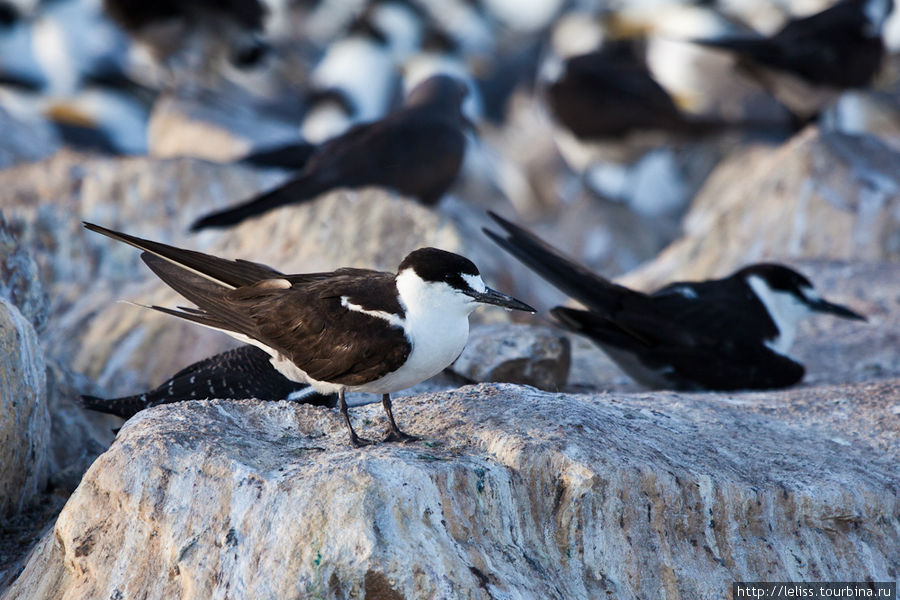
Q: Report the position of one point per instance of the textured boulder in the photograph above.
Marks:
(24, 419)
(513, 353)
(19, 279)
(513, 493)
(820, 195)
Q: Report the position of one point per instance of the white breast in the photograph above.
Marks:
(437, 326)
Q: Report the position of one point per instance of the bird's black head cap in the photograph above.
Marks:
(432, 264)
(779, 277)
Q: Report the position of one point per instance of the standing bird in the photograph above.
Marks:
(416, 150)
(811, 60)
(347, 330)
(243, 372)
(721, 334)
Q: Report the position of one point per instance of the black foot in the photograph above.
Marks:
(399, 436)
(358, 442)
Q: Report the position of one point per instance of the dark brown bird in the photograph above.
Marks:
(810, 60)
(416, 150)
(346, 330)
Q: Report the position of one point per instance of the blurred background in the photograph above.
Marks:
(645, 138)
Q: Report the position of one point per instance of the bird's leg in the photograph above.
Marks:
(355, 440)
(394, 435)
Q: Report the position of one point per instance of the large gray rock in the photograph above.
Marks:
(24, 418)
(820, 195)
(514, 493)
(516, 353)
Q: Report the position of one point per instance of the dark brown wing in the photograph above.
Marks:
(305, 322)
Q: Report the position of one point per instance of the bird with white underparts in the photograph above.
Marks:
(721, 334)
(349, 330)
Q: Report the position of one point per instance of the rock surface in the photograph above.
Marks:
(820, 195)
(514, 493)
(19, 279)
(514, 353)
(24, 418)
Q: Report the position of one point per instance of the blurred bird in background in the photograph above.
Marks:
(416, 150)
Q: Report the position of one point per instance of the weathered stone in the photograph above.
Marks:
(19, 280)
(514, 493)
(24, 419)
(821, 195)
(513, 353)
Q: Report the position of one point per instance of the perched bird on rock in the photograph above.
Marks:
(721, 334)
(416, 150)
(811, 60)
(243, 372)
(346, 330)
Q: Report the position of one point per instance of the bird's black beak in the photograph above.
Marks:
(823, 306)
(490, 296)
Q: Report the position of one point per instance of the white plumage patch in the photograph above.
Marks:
(786, 310)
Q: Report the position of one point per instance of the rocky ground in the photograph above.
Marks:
(588, 488)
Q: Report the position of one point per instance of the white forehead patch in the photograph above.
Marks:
(475, 282)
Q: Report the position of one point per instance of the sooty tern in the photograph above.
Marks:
(811, 59)
(416, 150)
(243, 372)
(346, 330)
(720, 334)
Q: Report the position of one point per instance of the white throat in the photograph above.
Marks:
(437, 326)
(785, 310)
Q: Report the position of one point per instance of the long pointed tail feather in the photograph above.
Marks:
(574, 279)
(222, 271)
(295, 191)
